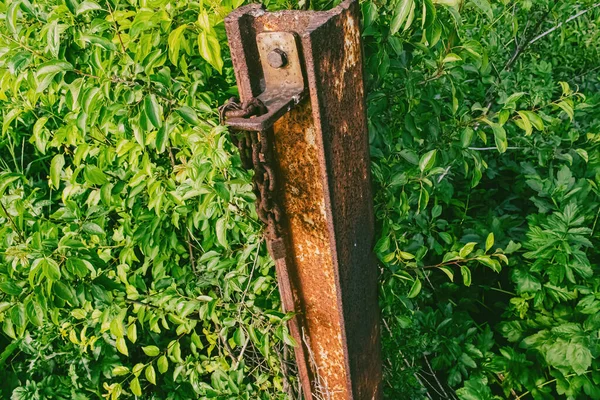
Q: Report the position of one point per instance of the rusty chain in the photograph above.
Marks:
(256, 152)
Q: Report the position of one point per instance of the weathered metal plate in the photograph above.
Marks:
(284, 87)
(329, 273)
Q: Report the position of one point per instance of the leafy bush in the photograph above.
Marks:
(131, 259)
(132, 262)
(484, 123)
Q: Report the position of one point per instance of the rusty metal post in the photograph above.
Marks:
(300, 77)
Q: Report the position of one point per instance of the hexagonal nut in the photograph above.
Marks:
(277, 58)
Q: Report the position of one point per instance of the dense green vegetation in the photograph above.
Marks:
(131, 259)
(490, 252)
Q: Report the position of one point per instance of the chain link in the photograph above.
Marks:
(256, 152)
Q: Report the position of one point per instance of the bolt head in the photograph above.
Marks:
(277, 58)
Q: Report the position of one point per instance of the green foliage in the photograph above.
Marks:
(486, 161)
(131, 259)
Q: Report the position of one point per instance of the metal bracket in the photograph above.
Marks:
(283, 80)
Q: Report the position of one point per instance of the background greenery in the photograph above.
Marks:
(131, 259)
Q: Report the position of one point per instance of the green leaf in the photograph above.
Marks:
(535, 120)
(99, 41)
(35, 313)
(579, 357)
(429, 14)
(427, 161)
(467, 360)
(466, 249)
(448, 271)
(122, 346)
(485, 7)
(288, 339)
(152, 110)
(132, 332)
(415, 288)
(500, 138)
(175, 38)
(476, 388)
(11, 16)
(466, 275)
(488, 262)
(151, 351)
(489, 241)
(525, 282)
(525, 123)
(92, 229)
(137, 369)
(48, 70)
(120, 370)
(50, 269)
(210, 50)
(239, 337)
(401, 13)
(410, 18)
(567, 108)
(150, 374)
(189, 115)
(17, 315)
(447, 3)
(87, 6)
(162, 364)
(94, 175)
(566, 89)
(221, 229)
(446, 237)
(451, 57)
(583, 154)
(10, 288)
(466, 137)
(135, 387)
(116, 326)
(56, 166)
(64, 292)
(499, 135)
(53, 38)
(77, 267)
(162, 137)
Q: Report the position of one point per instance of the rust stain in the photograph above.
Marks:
(303, 199)
(329, 274)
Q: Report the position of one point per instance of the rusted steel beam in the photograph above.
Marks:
(312, 131)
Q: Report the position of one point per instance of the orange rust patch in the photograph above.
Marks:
(303, 199)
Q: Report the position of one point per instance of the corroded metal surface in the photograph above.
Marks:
(325, 265)
(284, 85)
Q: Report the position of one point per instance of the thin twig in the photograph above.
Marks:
(141, 303)
(191, 252)
(495, 148)
(416, 376)
(13, 223)
(228, 348)
(117, 28)
(571, 18)
(256, 256)
(521, 48)
(435, 376)
(241, 355)
(284, 372)
(512, 391)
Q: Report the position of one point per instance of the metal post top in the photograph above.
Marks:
(258, 10)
